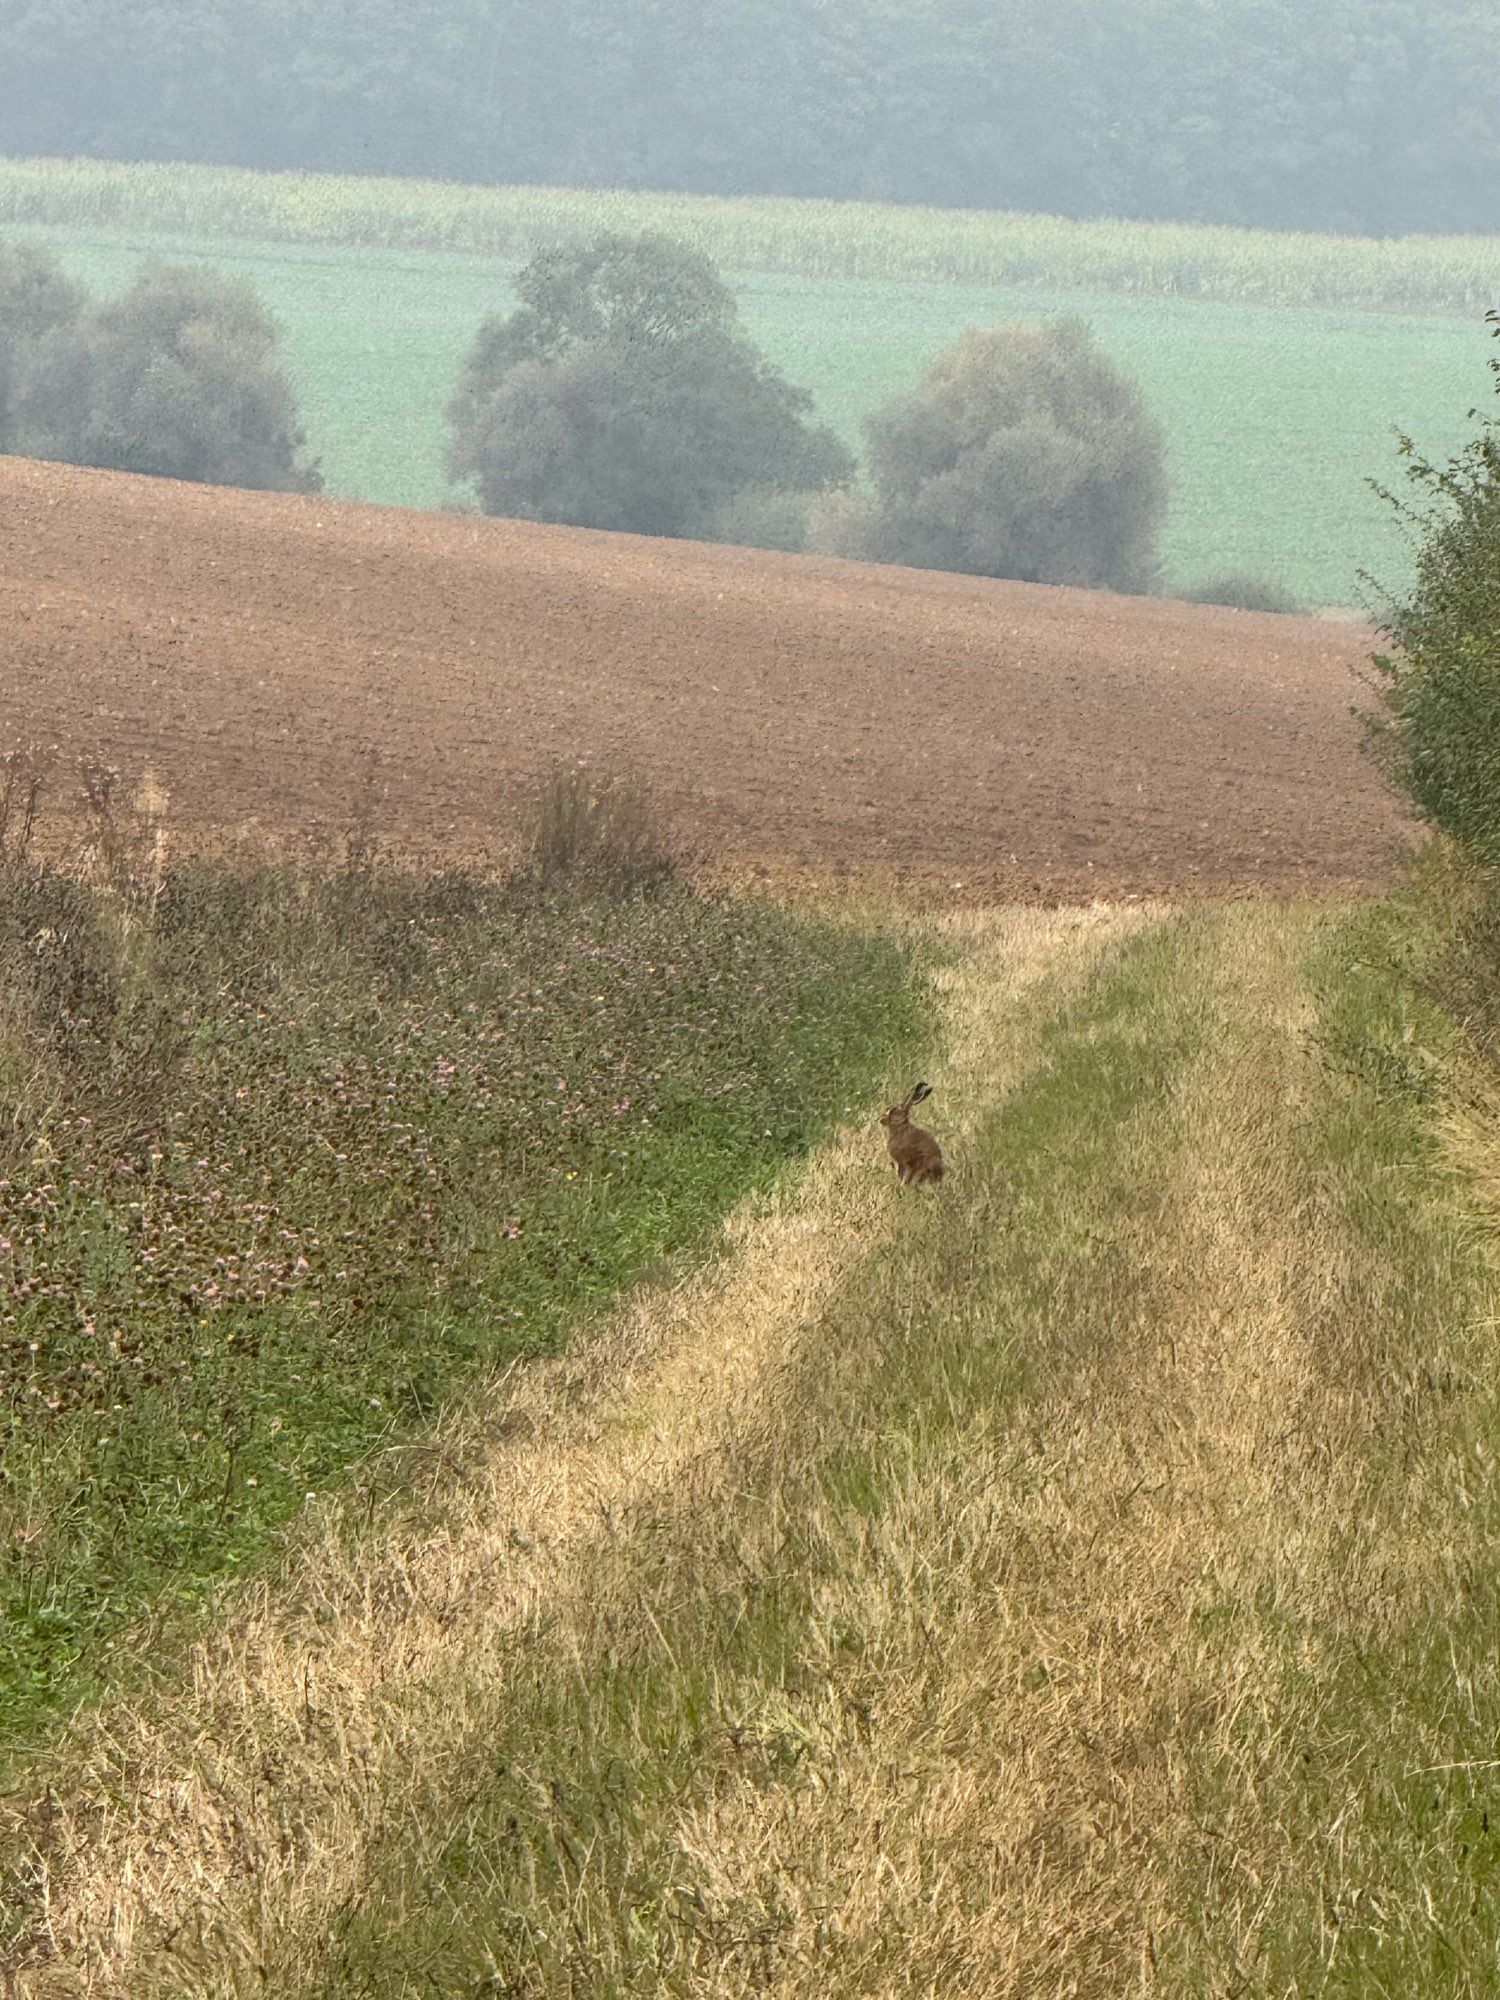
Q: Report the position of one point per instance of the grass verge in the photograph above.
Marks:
(290, 1156)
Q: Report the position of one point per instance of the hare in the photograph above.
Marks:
(917, 1155)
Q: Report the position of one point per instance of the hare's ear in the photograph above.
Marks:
(922, 1090)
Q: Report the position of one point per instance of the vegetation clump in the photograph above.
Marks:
(177, 376)
(291, 1152)
(1243, 590)
(1441, 677)
(37, 301)
(586, 828)
(1024, 453)
(623, 394)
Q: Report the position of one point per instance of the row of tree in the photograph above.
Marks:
(1375, 115)
(177, 376)
(623, 393)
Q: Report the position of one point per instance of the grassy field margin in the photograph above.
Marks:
(292, 1155)
(1080, 1582)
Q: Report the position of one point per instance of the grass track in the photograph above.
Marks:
(1082, 1579)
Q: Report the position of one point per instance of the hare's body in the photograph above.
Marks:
(917, 1156)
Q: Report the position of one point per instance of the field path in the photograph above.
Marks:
(1064, 1585)
(347, 1679)
(286, 669)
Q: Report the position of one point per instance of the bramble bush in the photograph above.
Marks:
(1441, 678)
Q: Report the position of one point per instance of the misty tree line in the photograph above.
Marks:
(177, 377)
(1374, 115)
(622, 393)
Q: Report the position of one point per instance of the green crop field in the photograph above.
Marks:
(1276, 417)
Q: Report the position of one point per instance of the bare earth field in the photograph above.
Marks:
(274, 664)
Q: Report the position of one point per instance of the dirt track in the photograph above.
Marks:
(269, 659)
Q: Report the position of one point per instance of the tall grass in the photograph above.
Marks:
(288, 1153)
(821, 239)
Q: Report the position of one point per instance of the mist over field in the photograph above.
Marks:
(1346, 116)
(947, 166)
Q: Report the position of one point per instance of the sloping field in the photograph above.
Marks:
(282, 667)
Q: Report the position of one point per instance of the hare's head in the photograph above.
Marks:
(900, 1114)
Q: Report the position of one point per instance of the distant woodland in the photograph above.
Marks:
(1361, 115)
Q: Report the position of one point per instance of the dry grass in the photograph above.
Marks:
(369, 1661)
(581, 827)
(1064, 1586)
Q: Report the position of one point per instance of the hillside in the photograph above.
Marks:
(280, 667)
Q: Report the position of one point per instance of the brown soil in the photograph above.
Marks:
(276, 664)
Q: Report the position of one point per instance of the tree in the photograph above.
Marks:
(177, 377)
(1024, 453)
(37, 301)
(1441, 681)
(622, 394)
(1370, 115)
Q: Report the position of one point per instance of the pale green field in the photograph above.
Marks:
(1276, 418)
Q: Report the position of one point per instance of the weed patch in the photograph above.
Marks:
(288, 1156)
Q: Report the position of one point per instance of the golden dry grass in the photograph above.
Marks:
(173, 1845)
(1053, 1588)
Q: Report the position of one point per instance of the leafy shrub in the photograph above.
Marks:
(177, 377)
(762, 518)
(595, 830)
(1441, 679)
(1024, 453)
(1242, 591)
(622, 394)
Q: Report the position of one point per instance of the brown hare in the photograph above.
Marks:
(917, 1155)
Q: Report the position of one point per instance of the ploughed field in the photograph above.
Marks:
(285, 670)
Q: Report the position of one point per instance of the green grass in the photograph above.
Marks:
(291, 1156)
(1275, 418)
(1091, 1584)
